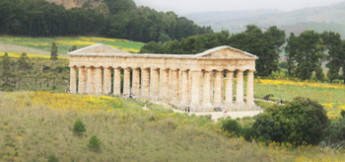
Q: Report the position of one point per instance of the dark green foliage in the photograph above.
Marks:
(342, 113)
(333, 43)
(54, 52)
(266, 45)
(53, 158)
(79, 127)
(300, 121)
(7, 78)
(23, 62)
(283, 65)
(94, 144)
(335, 133)
(305, 54)
(114, 18)
(190, 45)
(231, 126)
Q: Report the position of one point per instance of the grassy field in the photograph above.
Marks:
(36, 125)
(64, 44)
(332, 97)
(44, 74)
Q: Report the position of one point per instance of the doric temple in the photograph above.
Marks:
(204, 81)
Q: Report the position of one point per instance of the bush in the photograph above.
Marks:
(94, 144)
(231, 126)
(300, 121)
(53, 158)
(335, 133)
(342, 113)
(79, 127)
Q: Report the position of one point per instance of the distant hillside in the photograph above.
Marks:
(318, 18)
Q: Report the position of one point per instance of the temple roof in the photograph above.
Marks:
(221, 52)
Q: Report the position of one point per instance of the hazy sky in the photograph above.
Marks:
(189, 6)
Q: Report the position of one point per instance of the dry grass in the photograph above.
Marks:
(33, 127)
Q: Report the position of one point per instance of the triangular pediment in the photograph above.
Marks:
(226, 52)
(98, 49)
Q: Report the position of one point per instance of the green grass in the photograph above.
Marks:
(333, 99)
(37, 125)
(64, 44)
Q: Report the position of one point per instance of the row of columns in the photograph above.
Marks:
(194, 88)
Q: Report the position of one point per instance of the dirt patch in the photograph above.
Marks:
(20, 49)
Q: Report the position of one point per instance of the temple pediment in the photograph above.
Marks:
(226, 52)
(98, 49)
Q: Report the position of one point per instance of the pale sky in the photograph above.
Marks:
(189, 6)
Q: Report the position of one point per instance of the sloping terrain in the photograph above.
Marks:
(318, 18)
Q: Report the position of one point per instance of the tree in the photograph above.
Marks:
(79, 127)
(305, 54)
(266, 45)
(23, 62)
(54, 52)
(94, 144)
(300, 121)
(291, 50)
(342, 58)
(332, 41)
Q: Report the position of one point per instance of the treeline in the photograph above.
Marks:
(304, 54)
(122, 20)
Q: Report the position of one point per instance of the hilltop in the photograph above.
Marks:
(317, 18)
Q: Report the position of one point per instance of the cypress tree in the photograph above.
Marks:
(54, 52)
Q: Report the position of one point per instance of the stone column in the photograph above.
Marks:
(117, 82)
(239, 90)
(154, 83)
(107, 81)
(217, 100)
(82, 80)
(163, 84)
(174, 88)
(250, 88)
(206, 104)
(127, 81)
(136, 82)
(89, 87)
(184, 88)
(228, 90)
(98, 81)
(145, 83)
(73, 80)
(196, 75)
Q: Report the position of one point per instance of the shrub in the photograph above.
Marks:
(342, 113)
(53, 158)
(336, 131)
(299, 121)
(79, 127)
(231, 126)
(94, 144)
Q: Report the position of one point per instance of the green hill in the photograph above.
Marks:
(37, 126)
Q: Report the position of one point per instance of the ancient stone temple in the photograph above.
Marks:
(214, 78)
